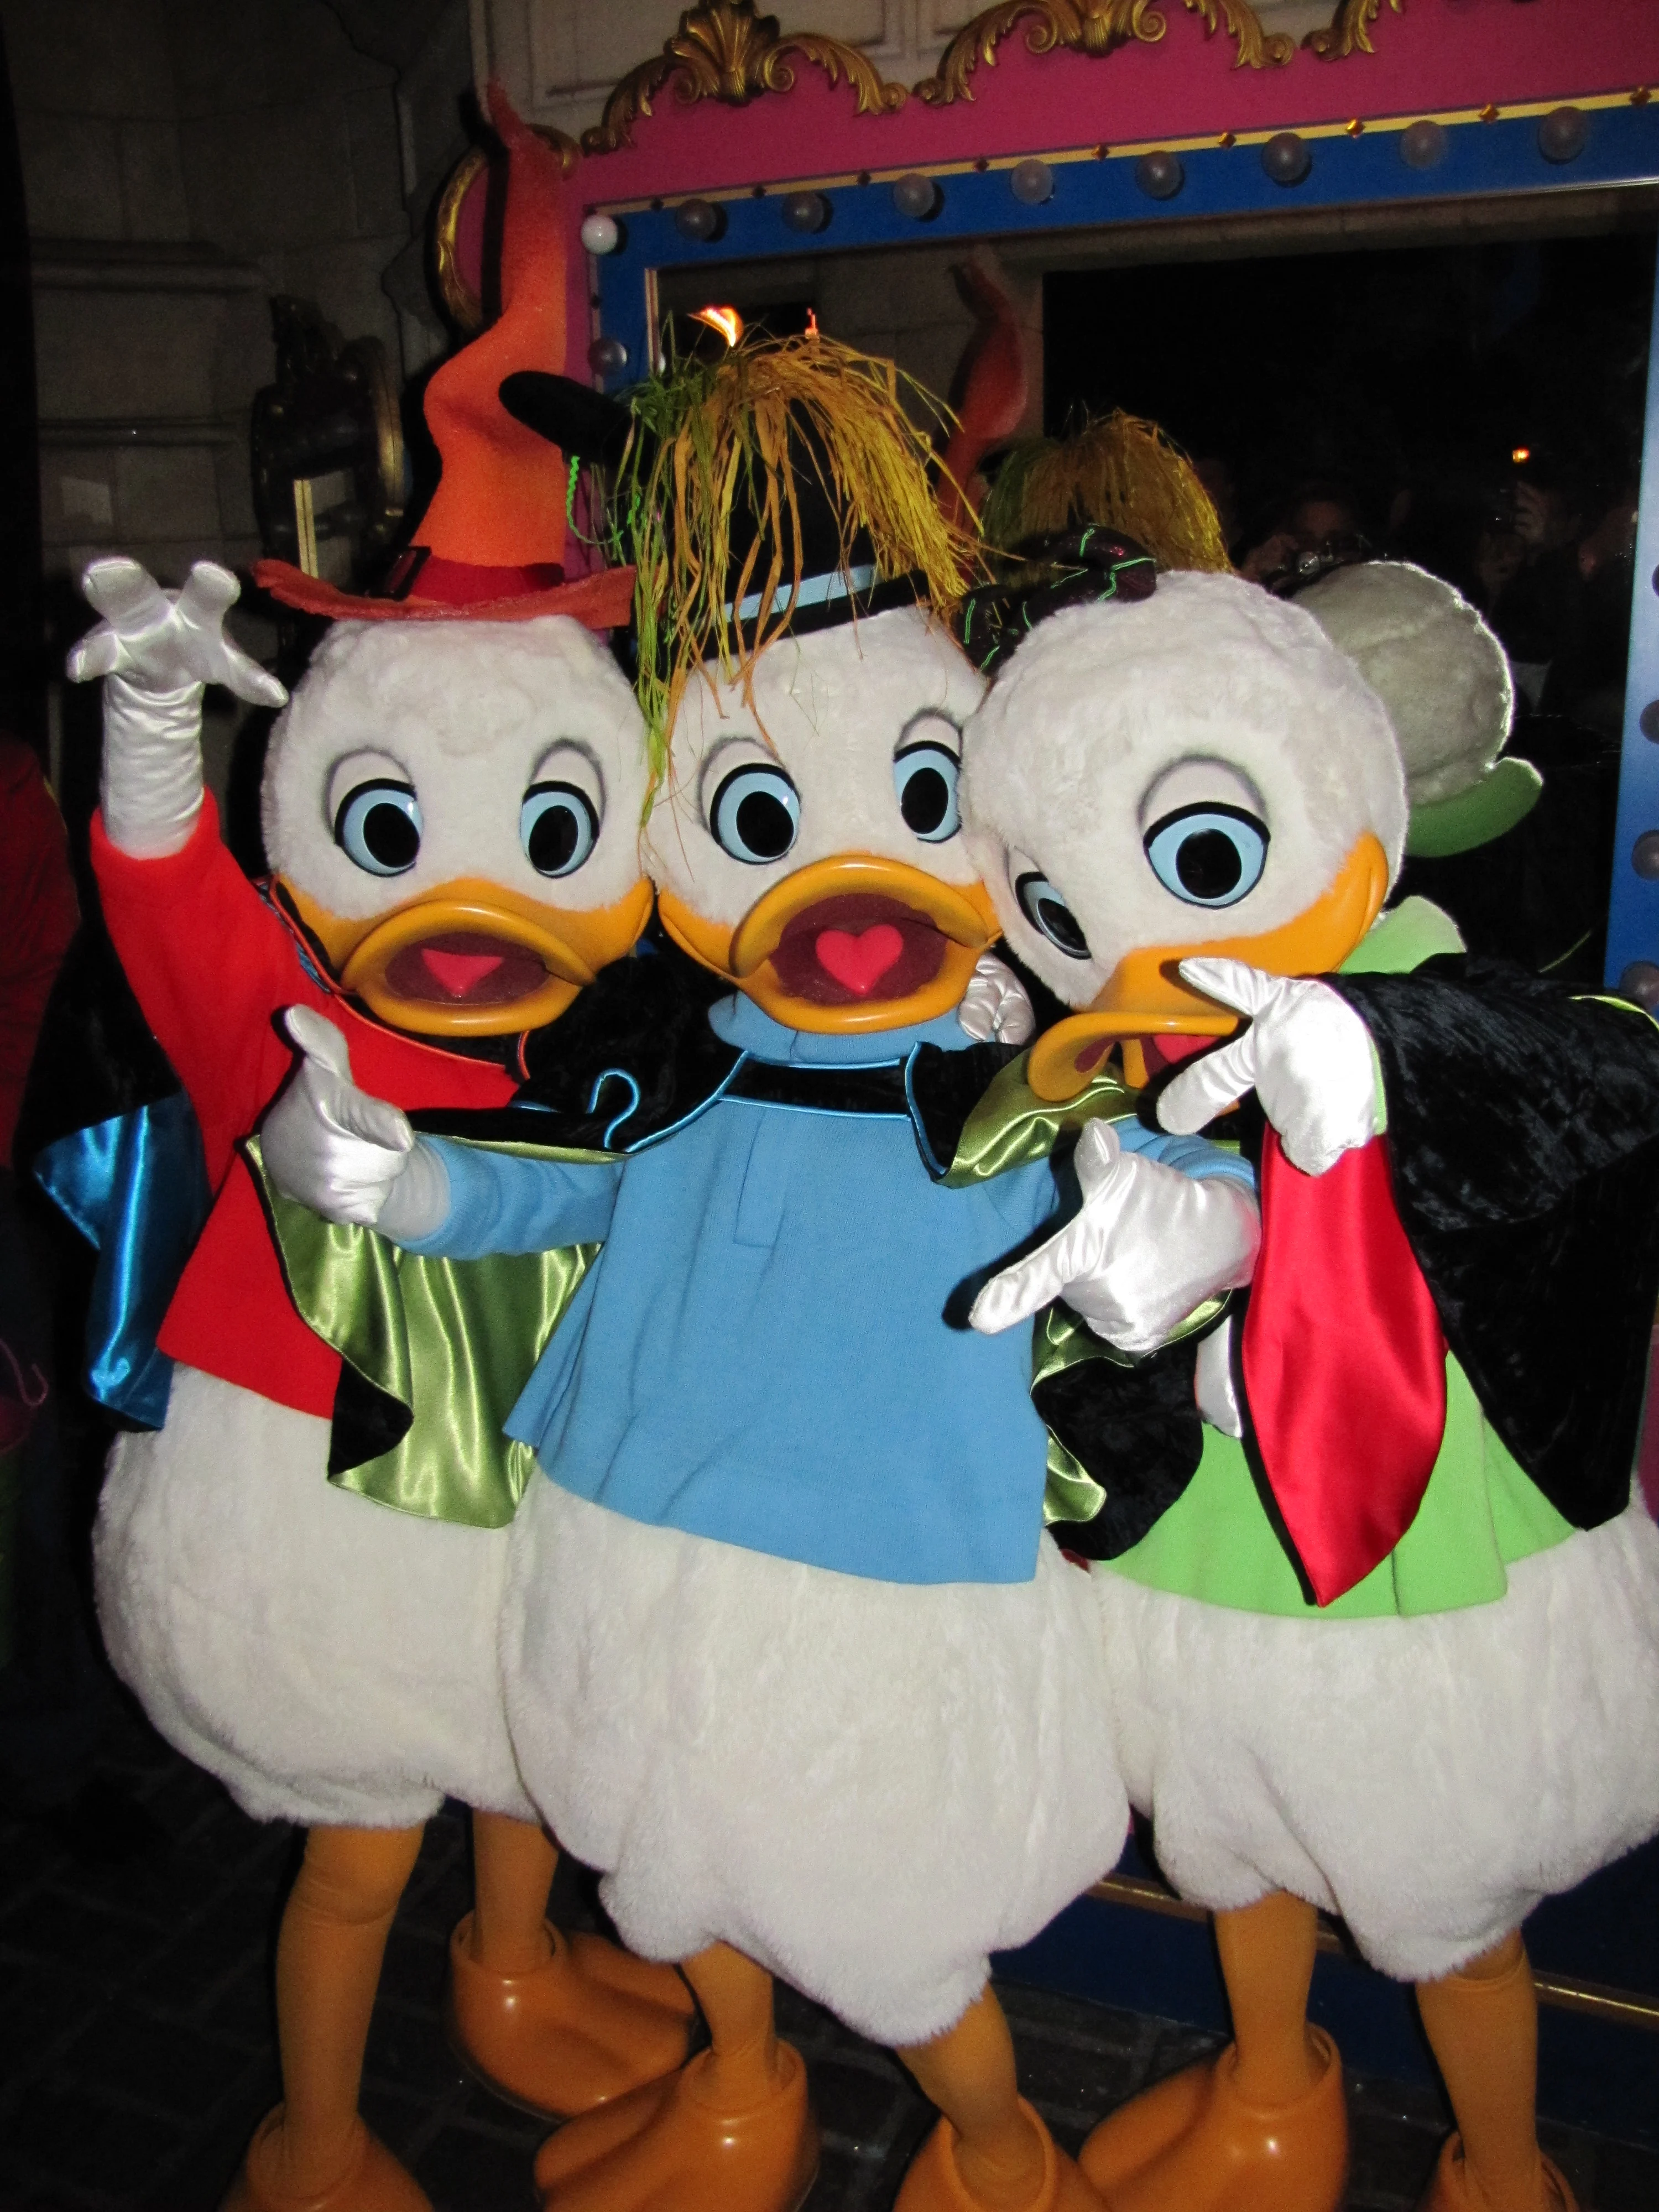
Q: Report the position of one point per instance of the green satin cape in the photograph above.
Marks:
(452, 1342)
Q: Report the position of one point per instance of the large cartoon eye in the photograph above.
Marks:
(1208, 855)
(755, 814)
(558, 826)
(378, 825)
(925, 778)
(1046, 911)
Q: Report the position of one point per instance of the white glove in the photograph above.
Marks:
(157, 651)
(1150, 1245)
(995, 1009)
(1307, 1056)
(1212, 1382)
(347, 1156)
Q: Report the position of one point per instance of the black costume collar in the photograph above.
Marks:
(635, 1059)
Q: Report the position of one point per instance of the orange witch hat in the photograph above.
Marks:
(490, 545)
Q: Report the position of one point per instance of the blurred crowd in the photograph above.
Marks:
(1546, 552)
(1547, 556)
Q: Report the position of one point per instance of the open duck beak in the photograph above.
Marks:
(472, 958)
(1146, 997)
(855, 942)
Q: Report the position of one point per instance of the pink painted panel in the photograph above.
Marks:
(1440, 54)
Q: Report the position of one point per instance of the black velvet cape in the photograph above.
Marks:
(1524, 1139)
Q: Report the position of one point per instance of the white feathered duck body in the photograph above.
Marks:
(326, 1646)
(1382, 1621)
(301, 1573)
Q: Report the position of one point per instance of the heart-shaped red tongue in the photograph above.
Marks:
(859, 959)
(459, 972)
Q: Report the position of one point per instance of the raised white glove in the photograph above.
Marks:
(345, 1155)
(1149, 1245)
(157, 651)
(995, 1009)
(1306, 1053)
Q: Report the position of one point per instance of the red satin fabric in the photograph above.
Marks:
(1345, 1366)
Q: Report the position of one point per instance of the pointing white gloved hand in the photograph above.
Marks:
(157, 651)
(1306, 1053)
(1150, 1245)
(995, 1008)
(345, 1155)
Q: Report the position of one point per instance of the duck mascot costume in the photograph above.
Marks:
(1382, 1621)
(785, 1654)
(299, 1574)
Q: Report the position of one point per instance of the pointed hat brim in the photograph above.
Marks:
(604, 600)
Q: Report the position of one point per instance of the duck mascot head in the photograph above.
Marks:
(300, 1572)
(1237, 794)
(804, 692)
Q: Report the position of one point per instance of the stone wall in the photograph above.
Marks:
(183, 161)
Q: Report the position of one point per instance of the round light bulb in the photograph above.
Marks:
(1031, 183)
(1285, 157)
(1160, 176)
(600, 233)
(917, 196)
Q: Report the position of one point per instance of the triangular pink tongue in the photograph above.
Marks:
(858, 960)
(457, 972)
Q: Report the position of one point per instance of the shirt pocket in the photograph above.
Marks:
(764, 1189)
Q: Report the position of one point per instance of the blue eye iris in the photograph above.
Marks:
(925, 778)
(1045, 908)
(379, 826)
(1208, 855)
(755, 814)
(557, 827)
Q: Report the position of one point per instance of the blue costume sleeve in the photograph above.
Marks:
(1189, 1156)
(500, 1203)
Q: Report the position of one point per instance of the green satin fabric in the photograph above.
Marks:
(1059, 1340)
(453, 1341)
(1010, 1126)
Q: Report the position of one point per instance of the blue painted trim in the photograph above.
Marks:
(1503, 156)
(1633, 910)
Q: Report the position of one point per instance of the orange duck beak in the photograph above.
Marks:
(1144, 999)
(852, 942)
(472, 959)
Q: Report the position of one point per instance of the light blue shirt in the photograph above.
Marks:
(772, 1349)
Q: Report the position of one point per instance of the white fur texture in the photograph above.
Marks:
(469, 714)
(1432, 1779)
(1108, 717)
(866, 1786)
(329, 1659)
(834, 707)
(1438, 670)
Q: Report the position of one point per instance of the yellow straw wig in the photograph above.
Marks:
(1119, 472)
(712, 441)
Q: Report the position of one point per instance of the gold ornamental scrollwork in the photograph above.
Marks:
(724, 51)
(1349, 31)
(465, 308)
(1096, 28)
